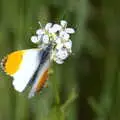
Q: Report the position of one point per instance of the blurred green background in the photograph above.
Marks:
(87, 85)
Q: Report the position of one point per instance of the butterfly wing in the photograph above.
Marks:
(42, 72)
(40, 79)
(21, 65)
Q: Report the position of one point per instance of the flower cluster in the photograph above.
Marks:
(59, 36)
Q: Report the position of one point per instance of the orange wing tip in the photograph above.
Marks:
(11, 63)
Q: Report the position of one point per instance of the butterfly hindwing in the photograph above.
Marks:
(42, 72)
(40, 79)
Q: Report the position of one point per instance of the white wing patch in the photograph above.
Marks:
(31, 60)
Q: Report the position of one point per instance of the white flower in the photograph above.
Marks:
(55, 28)
(55, 58)
(58, 40)
(70, 30)
(62, 54)
(58, 61)
(63, 35)
(59, 36)
(59, 46)
(48, 26)
(45, 39)
(40, 32)
(34, 39)
(63, 23)
(68, 44)
(64, 32)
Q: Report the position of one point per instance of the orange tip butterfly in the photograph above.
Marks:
(26, 66)
(33, 64)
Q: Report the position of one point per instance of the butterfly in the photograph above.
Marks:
(26, 66)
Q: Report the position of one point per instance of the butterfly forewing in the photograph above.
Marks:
(21, 65)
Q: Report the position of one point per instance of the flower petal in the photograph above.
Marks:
(68, 44)
(34, 39)
(58, 40)
(63, 23)
(56, 27)
(51, 30)
(58, 61)
(48, 25)
(40, 32)
(59, 46)
(70, 30)
(64, 35)
(45, 39)
(62, 54)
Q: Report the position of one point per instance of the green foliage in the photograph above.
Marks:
(87, 85)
